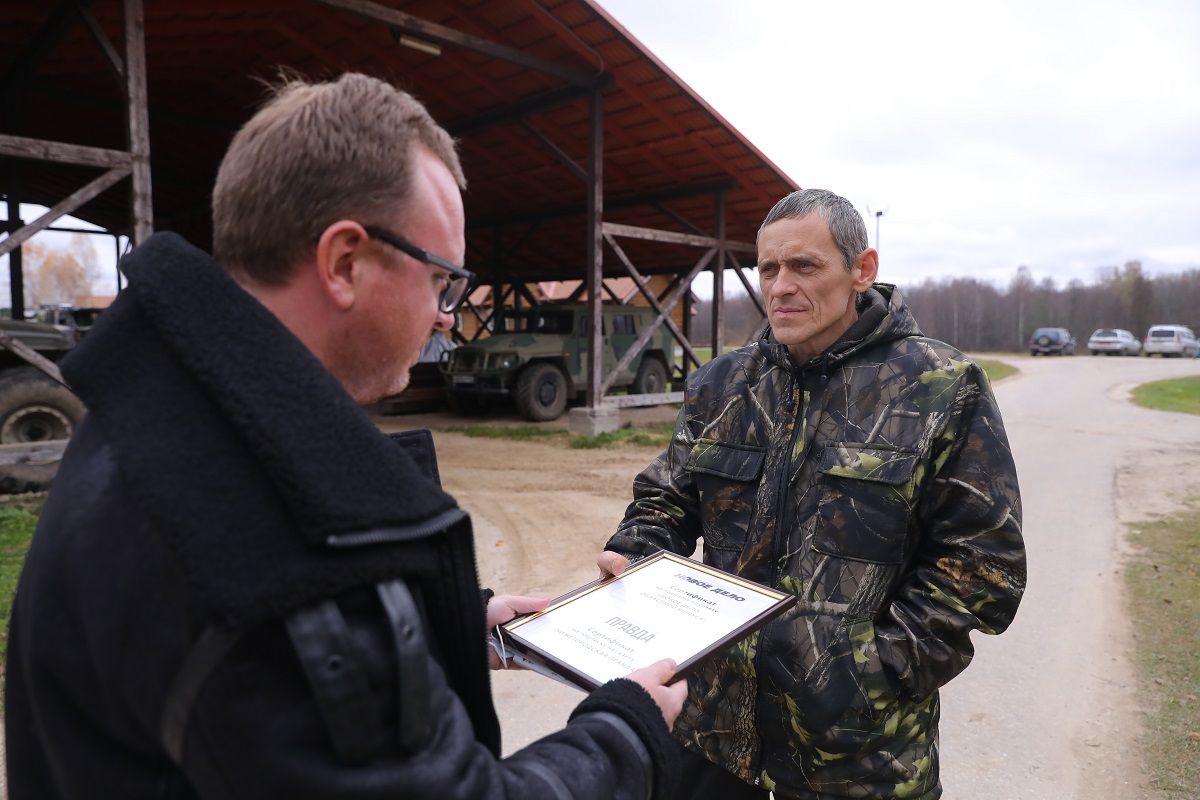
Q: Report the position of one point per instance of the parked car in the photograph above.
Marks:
(1114, 341)
(1052, 341)
(1170, 340)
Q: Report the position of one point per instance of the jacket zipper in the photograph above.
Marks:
(777, 575)
(403, 533)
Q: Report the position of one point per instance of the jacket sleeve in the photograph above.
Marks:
(257, 732)
(967, 571)
(665, 512)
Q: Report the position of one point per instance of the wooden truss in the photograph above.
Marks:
(134, 163)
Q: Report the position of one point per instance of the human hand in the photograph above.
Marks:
(654, 680)
(503, 607)
(611, 563)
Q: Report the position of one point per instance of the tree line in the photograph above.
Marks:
(977, 316)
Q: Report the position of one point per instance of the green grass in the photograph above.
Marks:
(518, 432)
(1163, 583)
(995, 369)
(651, 436)
(1181, 394)
(18, 518)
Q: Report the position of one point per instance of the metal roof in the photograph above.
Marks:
(523, 127)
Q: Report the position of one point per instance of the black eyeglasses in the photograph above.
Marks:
(457, 288)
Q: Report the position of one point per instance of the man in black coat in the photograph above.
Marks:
(239, 587)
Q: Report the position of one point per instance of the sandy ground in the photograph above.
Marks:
(1048, 710)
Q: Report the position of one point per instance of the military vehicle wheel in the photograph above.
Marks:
(542, 393)
(34, 408)
(651, 377)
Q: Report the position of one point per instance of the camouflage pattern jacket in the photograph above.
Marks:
(876, 483)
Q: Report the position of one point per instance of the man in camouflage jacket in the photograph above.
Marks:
(864, 468)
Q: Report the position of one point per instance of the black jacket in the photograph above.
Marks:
(240, 588)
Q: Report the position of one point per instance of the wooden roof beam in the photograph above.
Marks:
(62, 153)
(56, 26)
(513, 112)
(648, 199)
(73, 202)
(440, 34)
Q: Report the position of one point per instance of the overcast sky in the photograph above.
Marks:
(1060, 135)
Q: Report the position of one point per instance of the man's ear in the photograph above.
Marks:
(866, 269)
(339, 261)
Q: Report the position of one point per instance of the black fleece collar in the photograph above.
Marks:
(240, 445)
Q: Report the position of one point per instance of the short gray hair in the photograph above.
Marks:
(314, 154)
(845, 223)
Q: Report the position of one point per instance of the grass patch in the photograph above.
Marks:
(651, 436)
(18, 518)
(995, 369)
(1181, 394)
(517, 432)
(1163, 583)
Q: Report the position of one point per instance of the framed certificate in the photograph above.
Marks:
(664, 606)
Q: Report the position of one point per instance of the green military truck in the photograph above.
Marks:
(539, 359)
(37, 413)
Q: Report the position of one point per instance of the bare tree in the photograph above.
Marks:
(59, 275)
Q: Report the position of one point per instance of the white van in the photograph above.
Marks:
(1170, 340)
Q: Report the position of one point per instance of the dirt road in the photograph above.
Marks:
(1047, 711)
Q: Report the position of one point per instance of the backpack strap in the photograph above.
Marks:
(338, 681)
(412, 670)
(208, 651)
(204, 656)
(323, 644)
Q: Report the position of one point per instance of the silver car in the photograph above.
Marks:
(1114, 341)
(1171, 340)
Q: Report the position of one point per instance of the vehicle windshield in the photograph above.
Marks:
(556, 321)
(1104, 332)
(1162, 334)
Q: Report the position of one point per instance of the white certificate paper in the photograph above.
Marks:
(665, 606)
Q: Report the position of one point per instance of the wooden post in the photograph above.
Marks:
(595, 245)
(718, 299)
(685, 363)
(138, 120)
(15, 273)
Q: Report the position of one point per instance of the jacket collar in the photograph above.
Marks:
(882, 317)
(240, 445)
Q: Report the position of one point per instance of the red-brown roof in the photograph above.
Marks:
(525, 208)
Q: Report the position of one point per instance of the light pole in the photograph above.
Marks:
(878, 215)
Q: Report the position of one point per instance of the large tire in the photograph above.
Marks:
(651, 377)
(542, 393)
(34, 408)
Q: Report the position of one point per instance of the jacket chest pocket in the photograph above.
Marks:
(866, 503)
(726, 477)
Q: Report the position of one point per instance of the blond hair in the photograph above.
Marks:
(314, 154)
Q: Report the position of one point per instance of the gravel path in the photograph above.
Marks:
(1048, 710)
